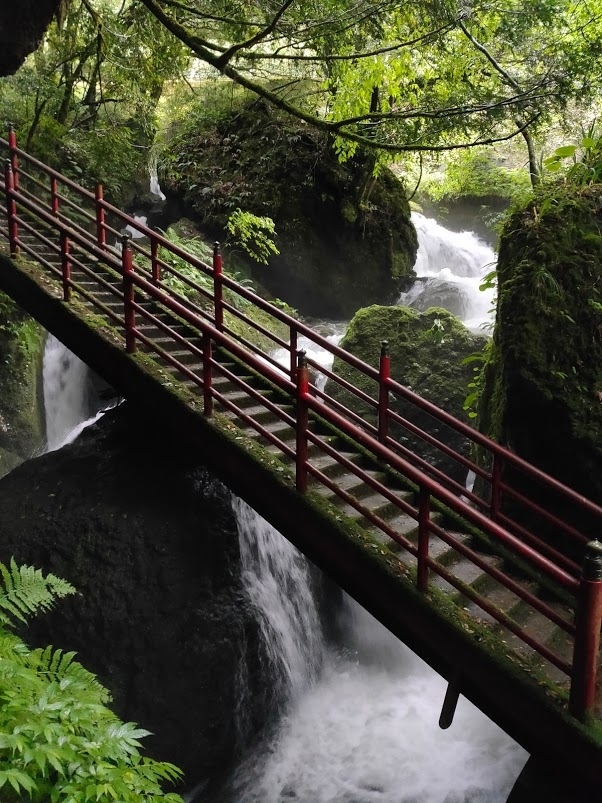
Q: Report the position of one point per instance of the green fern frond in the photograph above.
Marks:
(24, 590)
(61, 666)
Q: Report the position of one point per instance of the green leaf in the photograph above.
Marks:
(565, 151)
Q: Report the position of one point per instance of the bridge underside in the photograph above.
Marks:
(505, 694)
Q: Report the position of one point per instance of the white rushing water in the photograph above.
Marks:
(66, 395)
(363, 727)
(65, 404)
(450, 267)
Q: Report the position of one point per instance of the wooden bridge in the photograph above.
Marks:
(512, 622)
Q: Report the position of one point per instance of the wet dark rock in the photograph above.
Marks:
(148, 538)
(22, 26)
(345, 237)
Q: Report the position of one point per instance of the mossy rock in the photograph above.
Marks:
(345, 239)
(427, 350)
(21, 393)
(543, 382)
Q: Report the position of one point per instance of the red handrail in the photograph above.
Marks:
(74, 236)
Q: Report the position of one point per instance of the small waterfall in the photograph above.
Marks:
(154, 186)
(65, 393)
(277, 581)
(361, 725)
(450, 266)
(68, 395)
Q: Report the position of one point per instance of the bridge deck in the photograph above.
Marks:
(469, 588)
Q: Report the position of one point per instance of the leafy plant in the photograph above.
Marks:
(254, 234)
(58, 739)
(478, 361)
(583, 161)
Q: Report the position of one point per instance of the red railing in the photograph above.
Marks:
(72, 231)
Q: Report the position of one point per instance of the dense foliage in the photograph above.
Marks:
(397, 77)
(58, 739)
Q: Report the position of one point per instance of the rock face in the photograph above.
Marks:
(21, 395)
(22, 26)
(150, 542)
(426, 351)
(543, 388)
(341, 246)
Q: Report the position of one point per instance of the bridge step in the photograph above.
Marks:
(368, 499)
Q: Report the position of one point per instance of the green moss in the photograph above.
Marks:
(543, 379)
(340, 246)
(21, 406)
(427, 350)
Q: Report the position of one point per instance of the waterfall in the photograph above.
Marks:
(277, 581)
(361, 724)
(67, 393)
(450, 266)
(65, 402)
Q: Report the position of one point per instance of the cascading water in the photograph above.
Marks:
(365, 729)
(450, 266)
(277, 581)
(67, 393)
(65, 377)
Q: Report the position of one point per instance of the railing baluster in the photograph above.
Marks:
(101, 232)
(54, 196)
(496, 492)
(218, 290)
(424, 515)
(14, 159)
(127, 264)
(293, 354)
(587, 638)
(154, 261)
(11, 210)
(207, 375)
(302, 422)
(65, 266)
(383, 391)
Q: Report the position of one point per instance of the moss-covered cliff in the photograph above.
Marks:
(427, 350)
(345, 239)
(21, 393)
(543, 383)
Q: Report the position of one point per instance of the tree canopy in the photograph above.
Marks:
(418, 76)
(413, 76)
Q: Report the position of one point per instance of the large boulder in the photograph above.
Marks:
(21, 394)
(345, 239)
(149, 539)
(22, 26)
(427, 350)
(543, 384)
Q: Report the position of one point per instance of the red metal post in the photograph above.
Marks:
(127, 265)
(154, 261)
(496, 491)
(65, 266)
(14, 159)
(101, 232)
(383, 391)
(218, 290)
(11, 209)
(424, 514)
(54, 196)
(293, 354)
(586, 650)
(207, 376)
(302, 422)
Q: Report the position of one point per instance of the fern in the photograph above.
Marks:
(24, 591)
(59, 743)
